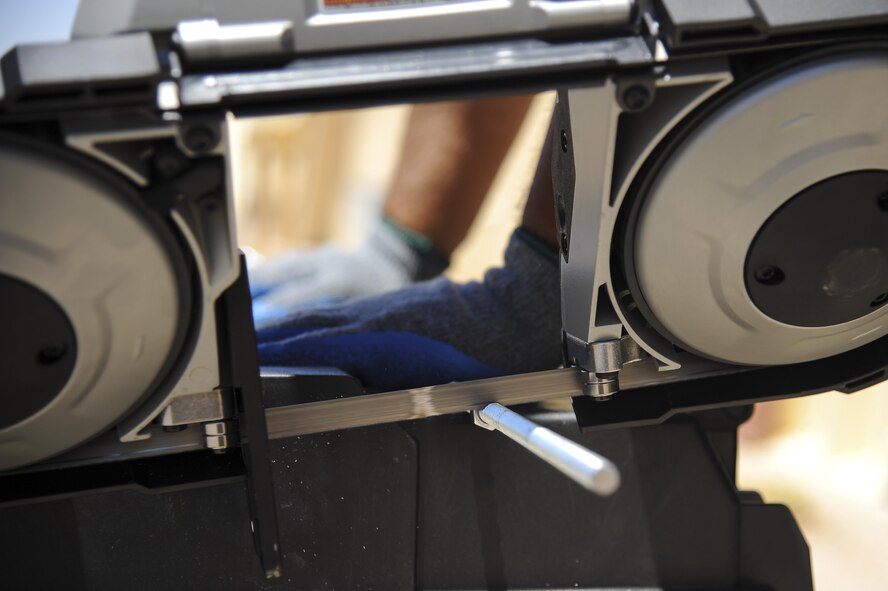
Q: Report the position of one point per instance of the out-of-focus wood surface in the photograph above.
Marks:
(304, 180)
(308, 179)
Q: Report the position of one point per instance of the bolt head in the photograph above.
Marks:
(636, 98)
(769, 275)
(52, 353)
(199, 138)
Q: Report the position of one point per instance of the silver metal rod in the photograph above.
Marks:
(586, 468)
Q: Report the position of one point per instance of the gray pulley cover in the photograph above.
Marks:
(77, 237)
(717, 190)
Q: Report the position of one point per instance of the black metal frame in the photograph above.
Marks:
(239, 363)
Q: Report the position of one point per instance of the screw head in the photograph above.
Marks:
(879, 300)
(51, 353)
(769, 275)
(564, 141)
(199, 138)
(170, 162)
(636, 98)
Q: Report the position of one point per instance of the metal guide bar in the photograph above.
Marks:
(419, 403)
(412, 69)
(307, 27)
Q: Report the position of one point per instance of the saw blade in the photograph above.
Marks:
(419, 403)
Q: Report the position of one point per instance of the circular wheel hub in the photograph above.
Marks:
(38, 349)
(822, 258)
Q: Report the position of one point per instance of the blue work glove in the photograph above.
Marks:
(437, 331)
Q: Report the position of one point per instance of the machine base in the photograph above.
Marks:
(436, 503)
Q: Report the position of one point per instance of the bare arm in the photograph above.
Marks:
(450, 157)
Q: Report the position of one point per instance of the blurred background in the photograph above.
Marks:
(309, 179)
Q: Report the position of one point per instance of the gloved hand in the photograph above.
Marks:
(390, 258)
(436, 331)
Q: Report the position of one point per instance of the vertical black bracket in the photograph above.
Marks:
(564, 175)
(239, 370)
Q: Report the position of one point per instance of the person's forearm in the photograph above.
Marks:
(451, 155)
